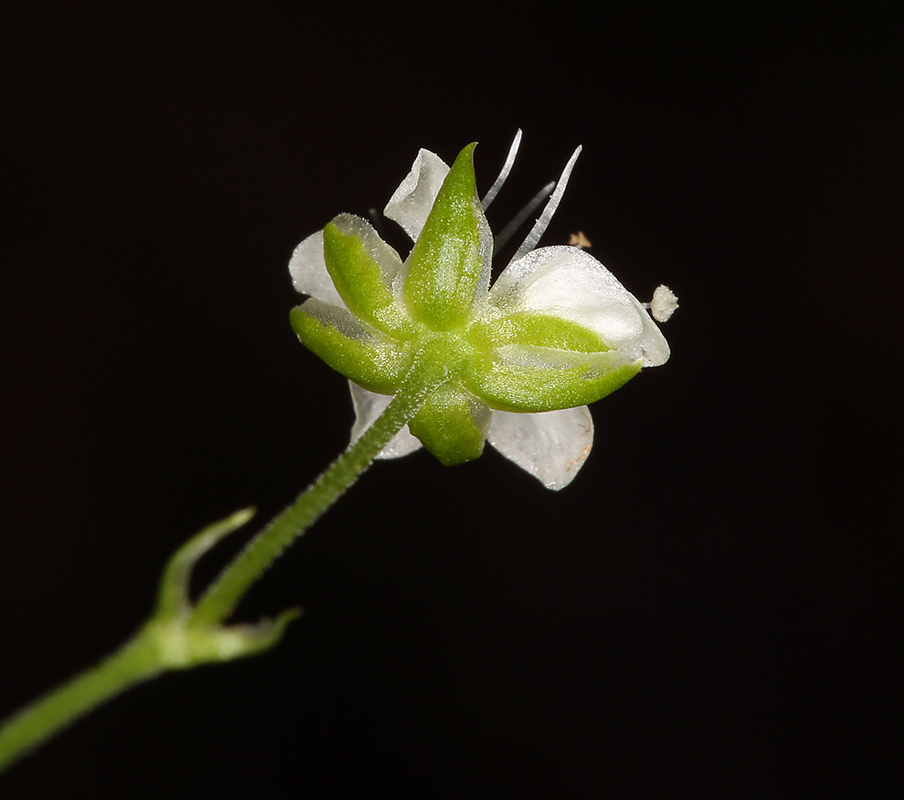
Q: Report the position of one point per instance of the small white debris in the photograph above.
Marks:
(663, 304)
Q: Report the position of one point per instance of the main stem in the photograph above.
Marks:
(141, 657)
(133, 663)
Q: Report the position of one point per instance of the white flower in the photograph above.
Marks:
(562, 286)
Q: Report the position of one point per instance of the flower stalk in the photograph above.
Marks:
(436, 357)
(180, 635)
(222, 596)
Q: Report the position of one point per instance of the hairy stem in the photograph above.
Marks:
(179, 636)
(228, 589)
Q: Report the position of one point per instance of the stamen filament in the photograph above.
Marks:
(506, 169)
(523, 214)
(543, 222)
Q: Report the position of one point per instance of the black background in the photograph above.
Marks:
(705, 612)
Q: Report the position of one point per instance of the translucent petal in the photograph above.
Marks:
(309, 272)
(369, 406)
(654, 349)
(551, 446)
(569, 283)
(411, 203)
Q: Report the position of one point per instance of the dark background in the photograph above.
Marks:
(705, 612)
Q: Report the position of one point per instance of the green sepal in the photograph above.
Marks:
(542, 330)
(452, 425)
(535, 379)
(358, 352)
(451, 260)
(362, 267)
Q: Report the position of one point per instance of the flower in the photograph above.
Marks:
(555, 331)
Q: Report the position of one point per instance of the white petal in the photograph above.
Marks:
(569, 283)
(654, 349)
(551, 446)
(369, 406)
(309, 273)
(412, 202)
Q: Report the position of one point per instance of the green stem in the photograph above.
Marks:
(227, 590)
(178, 636)
(133, 663)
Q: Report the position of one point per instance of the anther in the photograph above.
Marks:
(663, 304)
